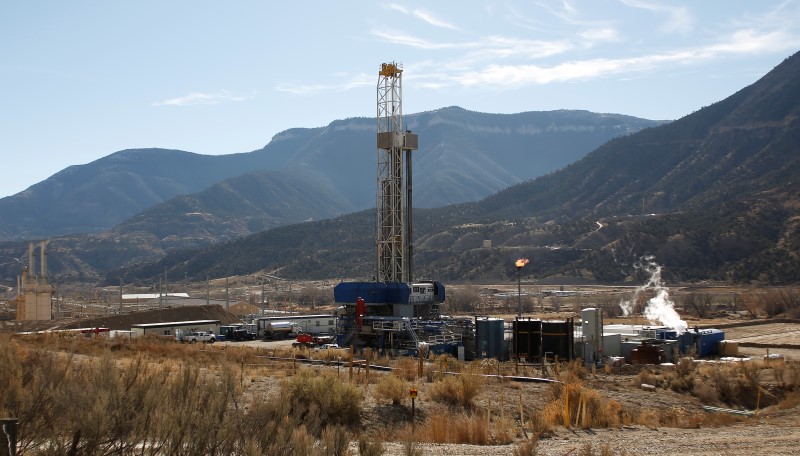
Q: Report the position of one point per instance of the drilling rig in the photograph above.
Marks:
(395, 311)
(393, 246)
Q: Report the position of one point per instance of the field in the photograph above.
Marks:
(264, 398)
(153, 396)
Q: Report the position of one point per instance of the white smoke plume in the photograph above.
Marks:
(660, 308)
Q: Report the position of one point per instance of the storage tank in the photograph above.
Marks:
(709, 342)
(489, 334)
(704, 342)
(647, 353)
(612, 344)
(729, 348)
(592, 330)
(558, 339)
(527, 339)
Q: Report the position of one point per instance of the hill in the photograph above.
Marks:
(714, 196)
(96, 196)
(463, 156)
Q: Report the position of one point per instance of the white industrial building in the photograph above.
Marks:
(170, 328)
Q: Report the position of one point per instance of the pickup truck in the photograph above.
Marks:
(196, 336)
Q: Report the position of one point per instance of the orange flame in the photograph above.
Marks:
(521, 262)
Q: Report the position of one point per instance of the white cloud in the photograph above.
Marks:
(495, 47)
(750, 41)
(354, 82)
(423, 15)
(741, 42)
(679, 20)
(432, 20)
(596, 36)
(197, 98)
(487, 48)
(396, 7)
(408, 40)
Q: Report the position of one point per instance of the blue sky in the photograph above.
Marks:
(80, 80)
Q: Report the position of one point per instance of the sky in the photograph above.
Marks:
(80, 80)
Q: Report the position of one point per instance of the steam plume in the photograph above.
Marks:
(660, 308)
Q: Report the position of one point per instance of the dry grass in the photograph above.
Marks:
(321, 399)
(527, 448)
(735, 384)
(453, 427)
(406, 368)
(439, 365)
(459, 389)
(166, 402)
(576, 405)
(212, 407)
(391, 388)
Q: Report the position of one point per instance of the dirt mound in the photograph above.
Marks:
(124, 322)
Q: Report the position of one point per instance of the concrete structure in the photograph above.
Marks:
(34, 294)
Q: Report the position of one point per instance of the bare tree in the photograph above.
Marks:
(700, 303)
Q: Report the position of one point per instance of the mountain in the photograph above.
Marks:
(713, 195)
(94, 197)
(235, 207)
(463, 156)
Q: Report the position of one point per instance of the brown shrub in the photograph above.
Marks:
(406, 368)
(503, 430)
(439, 366)
(391, 388)
(576, 405)
(370, 448)
(648, 418)
(321, 399)
(455, 427)
(459, 389)
(526, 448)
(646, 376)
(334, 441)
(540, 426)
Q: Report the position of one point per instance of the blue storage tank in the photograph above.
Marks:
(708, 344)
(489, 334)
(704, 341)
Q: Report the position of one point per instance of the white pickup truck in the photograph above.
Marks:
(196, 336)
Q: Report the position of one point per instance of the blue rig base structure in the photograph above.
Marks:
(397, 318)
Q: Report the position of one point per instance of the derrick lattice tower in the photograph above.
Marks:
(394, 224)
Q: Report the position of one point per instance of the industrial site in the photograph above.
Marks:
(399, 364)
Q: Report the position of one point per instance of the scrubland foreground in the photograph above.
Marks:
(148, 396)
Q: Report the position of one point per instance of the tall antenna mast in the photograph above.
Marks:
(393, 249)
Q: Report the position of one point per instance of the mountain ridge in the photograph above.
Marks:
(712, 196)
(454, 165)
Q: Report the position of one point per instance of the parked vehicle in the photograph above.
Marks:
(195, 336)
(305, 340)
(236, 333)
(280, 330)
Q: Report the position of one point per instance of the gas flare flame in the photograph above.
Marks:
(521, 262)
